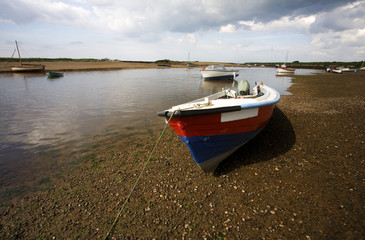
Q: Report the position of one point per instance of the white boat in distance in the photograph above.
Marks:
(26, 67)
(284, 69)
(337, 70)
(218, 72)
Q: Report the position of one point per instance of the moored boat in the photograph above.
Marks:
(216, 126)
(351, 70)
(335, 70)
(26, 67)
(218, 72)
(284, 69)
(345, 69)
(54, 74)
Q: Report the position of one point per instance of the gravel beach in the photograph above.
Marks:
(302, 177)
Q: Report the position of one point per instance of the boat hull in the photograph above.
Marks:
(285, 70)
(54, 74)
(28, 68)
(352, 70)
(211, 74)
(212, 138)
(336, 70)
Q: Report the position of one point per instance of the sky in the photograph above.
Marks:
(206, 30)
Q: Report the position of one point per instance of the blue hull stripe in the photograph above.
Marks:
(262, 104)
(220, 77)
(204, 148)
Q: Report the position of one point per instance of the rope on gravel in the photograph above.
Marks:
(139, 177)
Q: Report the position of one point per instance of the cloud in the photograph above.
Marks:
(284, 24)
(344, 35)
(229, 28)
(350, 16)
(204, 24)
(27, 11)
(190, 38)
(159, 15)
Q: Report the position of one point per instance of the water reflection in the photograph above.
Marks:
(213, 86)
(44, 121)
(36, 111)
(284, 74)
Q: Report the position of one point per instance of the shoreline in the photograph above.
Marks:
(107, 65)
(302, 177)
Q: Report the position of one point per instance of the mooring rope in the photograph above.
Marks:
(139, 177)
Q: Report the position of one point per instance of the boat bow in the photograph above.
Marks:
(216, 126)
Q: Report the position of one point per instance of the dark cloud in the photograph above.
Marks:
(43, 11)
(218, 13)
(183, 16)
(341, 19)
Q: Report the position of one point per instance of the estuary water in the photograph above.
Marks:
(43, 121)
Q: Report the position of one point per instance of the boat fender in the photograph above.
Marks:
(167, 113)
(243, 88)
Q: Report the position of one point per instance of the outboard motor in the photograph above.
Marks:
(243, 88)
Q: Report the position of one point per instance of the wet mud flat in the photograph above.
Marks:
(302, 177)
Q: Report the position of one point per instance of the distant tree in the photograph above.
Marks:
(163, 61)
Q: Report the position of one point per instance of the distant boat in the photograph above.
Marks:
(28, 68)
(284, 69)
(189, 64)
(218, 72)
(353, 70)
(54, 74)
(350, 69)
(24, 67)
(216, 126)
(336, 70)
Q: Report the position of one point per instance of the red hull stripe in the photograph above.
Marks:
(208, 125)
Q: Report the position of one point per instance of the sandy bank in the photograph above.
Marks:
(92, 66)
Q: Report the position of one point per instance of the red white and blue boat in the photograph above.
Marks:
(216, 126)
